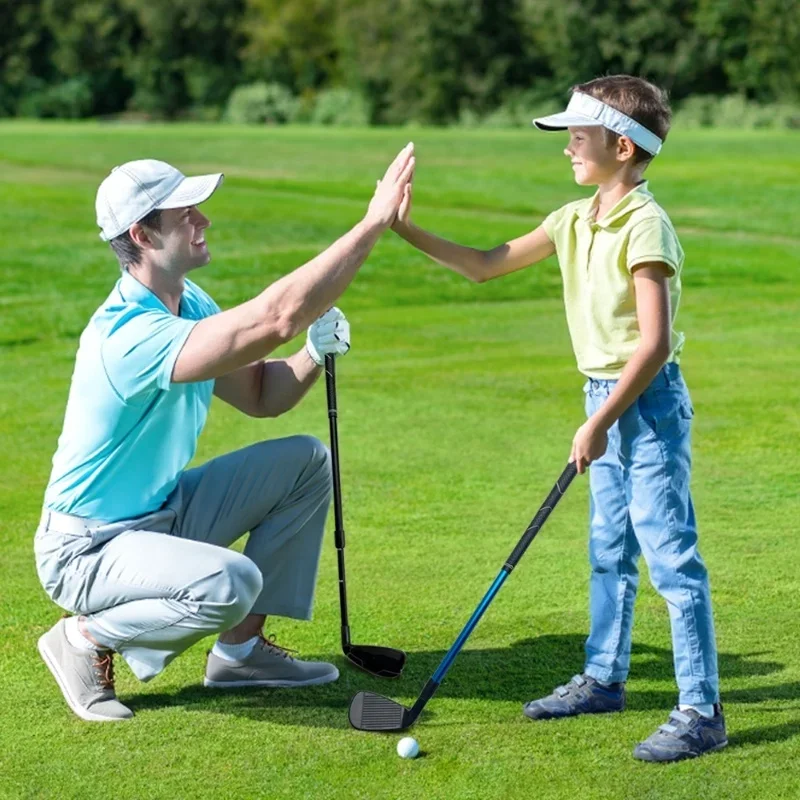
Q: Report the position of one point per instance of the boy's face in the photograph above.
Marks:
(593, 161)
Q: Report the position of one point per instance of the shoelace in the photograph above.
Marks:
(269, 642)
(104, 665)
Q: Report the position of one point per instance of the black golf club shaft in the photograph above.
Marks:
(333, 413)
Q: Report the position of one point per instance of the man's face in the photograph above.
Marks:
(181, 241)
(593, 161)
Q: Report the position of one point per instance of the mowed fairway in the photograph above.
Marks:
(457, 403)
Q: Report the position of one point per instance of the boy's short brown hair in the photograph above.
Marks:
(636, 97)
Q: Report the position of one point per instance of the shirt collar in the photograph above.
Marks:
(132, 291)
(635, 198)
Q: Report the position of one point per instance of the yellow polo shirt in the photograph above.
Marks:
(597, 259)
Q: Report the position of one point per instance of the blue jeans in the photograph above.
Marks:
(640, 503)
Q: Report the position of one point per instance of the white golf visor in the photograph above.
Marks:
(584, 110)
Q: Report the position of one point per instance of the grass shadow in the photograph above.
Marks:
(527, 669)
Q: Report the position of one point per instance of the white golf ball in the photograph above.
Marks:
(407, 747)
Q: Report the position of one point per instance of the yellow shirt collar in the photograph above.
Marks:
(635, 198)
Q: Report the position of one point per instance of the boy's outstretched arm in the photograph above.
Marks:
(477, 265)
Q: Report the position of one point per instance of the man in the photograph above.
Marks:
(131, 543)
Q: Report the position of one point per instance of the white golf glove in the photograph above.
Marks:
(329, 334)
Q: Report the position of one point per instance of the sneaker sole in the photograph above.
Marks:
(685, 757)
(274, 684)
(572, 716)
(52, 664)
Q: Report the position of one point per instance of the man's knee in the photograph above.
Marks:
(233, 589)
(315, 456)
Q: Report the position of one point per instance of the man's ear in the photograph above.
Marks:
(140, 235)
(625, 148)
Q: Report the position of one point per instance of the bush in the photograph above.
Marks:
(340, 107)
(261, 103)
(69, 100)
(516, 111)
(735, 111)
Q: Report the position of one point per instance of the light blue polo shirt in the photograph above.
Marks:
(129, 432)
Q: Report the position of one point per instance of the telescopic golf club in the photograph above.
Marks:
(373, 712)
(384, 662)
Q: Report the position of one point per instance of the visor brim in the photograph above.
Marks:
(564, 120)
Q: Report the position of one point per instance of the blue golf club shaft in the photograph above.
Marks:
(541, 515)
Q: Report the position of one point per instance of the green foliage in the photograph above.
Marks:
(260, 103)
(184, 53)
(91, 44)
(423, 61)
(735, 111)
(291, 42)
(340, 107)
(71, 99)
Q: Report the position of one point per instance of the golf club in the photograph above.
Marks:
(384, 662)
(373, 712)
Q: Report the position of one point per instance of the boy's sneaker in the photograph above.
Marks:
(267, 665)
(582, 695)
(85, 677)
(687, 734)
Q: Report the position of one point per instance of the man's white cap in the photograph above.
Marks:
(136, 188)
(584, 110)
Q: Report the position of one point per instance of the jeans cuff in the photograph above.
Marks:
(604, 674)
(699, 697)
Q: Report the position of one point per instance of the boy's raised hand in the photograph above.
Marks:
(404, 212)
(390, 190)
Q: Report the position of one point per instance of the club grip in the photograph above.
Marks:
(541, 515)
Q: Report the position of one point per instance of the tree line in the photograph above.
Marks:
(426, 61)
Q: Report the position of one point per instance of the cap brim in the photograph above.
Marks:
(192, 191)
(564, 120)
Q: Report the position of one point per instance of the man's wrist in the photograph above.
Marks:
(310, 357)
(371, 227)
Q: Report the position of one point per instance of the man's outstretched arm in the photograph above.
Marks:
(225, 342)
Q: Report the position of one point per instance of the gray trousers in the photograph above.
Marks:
(151, 587)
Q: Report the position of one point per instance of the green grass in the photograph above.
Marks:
(458, 404)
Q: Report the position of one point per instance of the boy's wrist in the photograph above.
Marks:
(599, 422)
(400, 227)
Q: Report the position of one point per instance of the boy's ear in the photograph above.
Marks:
(625, 148)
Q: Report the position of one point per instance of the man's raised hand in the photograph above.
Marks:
(390, 191)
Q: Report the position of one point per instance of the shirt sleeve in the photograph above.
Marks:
(140, 351)
(653, 239)
(550, 223)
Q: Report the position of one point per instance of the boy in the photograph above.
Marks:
(621, 261)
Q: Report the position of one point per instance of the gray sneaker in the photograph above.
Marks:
(268, 665)
(687, 734)
(85, 677)
(582, 695)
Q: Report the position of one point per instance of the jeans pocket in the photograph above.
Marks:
(667, 414)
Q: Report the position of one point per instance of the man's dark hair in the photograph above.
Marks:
(636, 97)
(129, 253)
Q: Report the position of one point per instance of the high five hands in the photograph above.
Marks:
(393, 191)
